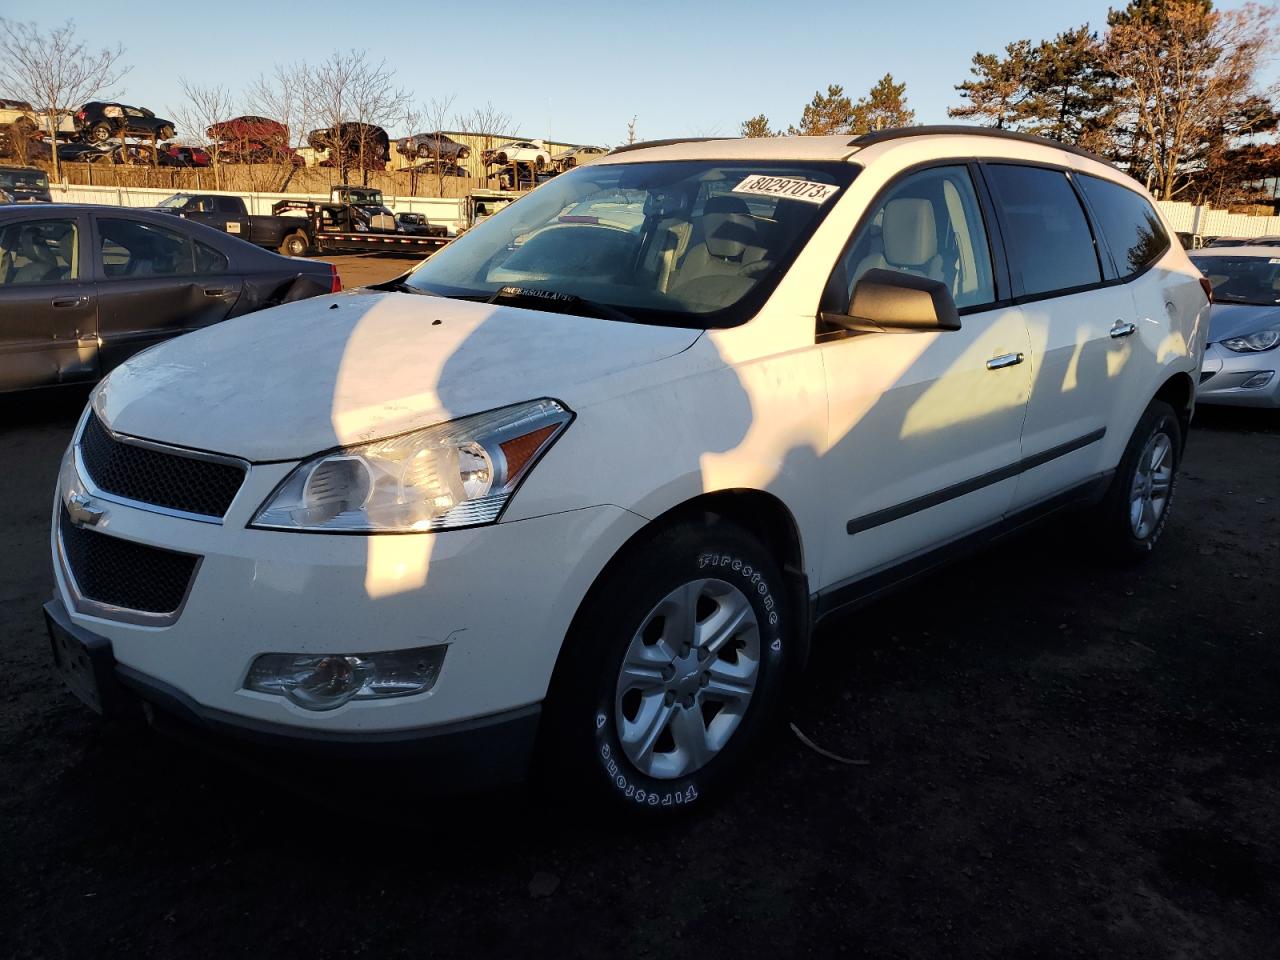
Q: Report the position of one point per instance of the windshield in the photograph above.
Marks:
(24, 180)
(371, 198)
(177, 200)
(688, 243)
(1253, 280)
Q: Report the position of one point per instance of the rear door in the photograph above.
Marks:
(154, 283)
(1063, 283)
(48, 304)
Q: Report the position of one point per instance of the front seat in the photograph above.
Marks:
(40, 263)
(734, 250)
(909, 236)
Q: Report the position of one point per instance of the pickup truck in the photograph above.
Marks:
(291, 235)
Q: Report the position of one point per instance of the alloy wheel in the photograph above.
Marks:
(1152, 484)
(687, 678)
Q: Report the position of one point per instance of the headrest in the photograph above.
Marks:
(909, 233)
(664, 205)
(728, 227)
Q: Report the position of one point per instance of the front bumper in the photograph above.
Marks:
(1224, 372)
(501, 597)
(483, 751)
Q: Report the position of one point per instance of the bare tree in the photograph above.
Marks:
(330, 91)
(437, 115)
(1184, 66)
(54, 71)
(201, 108)
(375, 101)
(284, 97)
(485, 125)
(411, 121)
(631, 130)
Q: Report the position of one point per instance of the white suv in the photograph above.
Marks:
(585, 480)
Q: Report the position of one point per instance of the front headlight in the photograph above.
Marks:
(1254, 342)
(456, 474)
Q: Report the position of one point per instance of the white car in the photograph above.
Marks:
(1242, 361)
(592, 491)
(518, 151)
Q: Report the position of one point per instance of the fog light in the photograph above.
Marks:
(328, 680)
(1258, 380)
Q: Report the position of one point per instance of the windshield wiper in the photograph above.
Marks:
(400, 286)
(554, 301)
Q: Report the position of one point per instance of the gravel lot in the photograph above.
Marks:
(1061, 759)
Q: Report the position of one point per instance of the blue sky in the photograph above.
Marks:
(579, 71)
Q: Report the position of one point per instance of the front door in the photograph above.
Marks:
(156, 283)
(48, 305)
(924, 427)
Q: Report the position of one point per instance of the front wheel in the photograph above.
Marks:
(166, 133)
(100, 133)
(673, 671)
(1133, 515)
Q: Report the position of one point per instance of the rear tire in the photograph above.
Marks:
(100, 133)
(1136, 509)
(672, 672)
(166, 133)
(295, 244)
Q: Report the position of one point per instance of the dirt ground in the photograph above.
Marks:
(1062, 759)
(359, 269)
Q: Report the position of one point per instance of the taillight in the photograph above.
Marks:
(335, 281)
(81, 115)
(1207, 287)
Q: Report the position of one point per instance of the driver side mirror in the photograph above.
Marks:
(885, 301)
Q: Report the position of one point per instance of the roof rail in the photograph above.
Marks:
(645, 144)
(901, 133)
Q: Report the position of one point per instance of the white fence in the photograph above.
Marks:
(1208, 222)
(437, 210)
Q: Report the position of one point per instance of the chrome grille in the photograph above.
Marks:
(189, 484)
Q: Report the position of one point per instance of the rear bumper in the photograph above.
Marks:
(483, 751)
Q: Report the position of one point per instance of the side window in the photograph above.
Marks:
(133, 249)
(1049, 244)
(1130, 226)
(209, 260)
(39, 251)
(928, 225)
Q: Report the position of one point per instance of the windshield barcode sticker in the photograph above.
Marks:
(786, 188)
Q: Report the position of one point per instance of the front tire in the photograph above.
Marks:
(100, 133)
(166, 133)
(1136, 509)
(673, 670)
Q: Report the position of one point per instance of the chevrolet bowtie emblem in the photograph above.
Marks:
(82, 510)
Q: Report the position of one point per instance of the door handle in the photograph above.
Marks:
(216, 292)
(1122, 329)
(1004, 360)
(61, 303)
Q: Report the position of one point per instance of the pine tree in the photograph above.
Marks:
(826, 113)
(999, 89)
(757, 126)
(1071, 96)
(883, 109)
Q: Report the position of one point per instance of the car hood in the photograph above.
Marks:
(286, 383)
(1228, 320)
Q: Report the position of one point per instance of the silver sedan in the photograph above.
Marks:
(1241, 361)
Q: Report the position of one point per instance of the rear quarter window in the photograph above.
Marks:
(1048, 241)
(1129, 224)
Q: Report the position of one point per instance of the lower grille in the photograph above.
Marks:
(125, 574)
(1207, 374)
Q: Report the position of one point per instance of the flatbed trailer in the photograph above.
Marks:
(343, 227)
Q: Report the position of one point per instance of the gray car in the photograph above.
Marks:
(1241, 361)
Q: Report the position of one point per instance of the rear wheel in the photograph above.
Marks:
(673, 670)
(295, 244)
(166, 133)
(1137, 506)
(100, 133)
